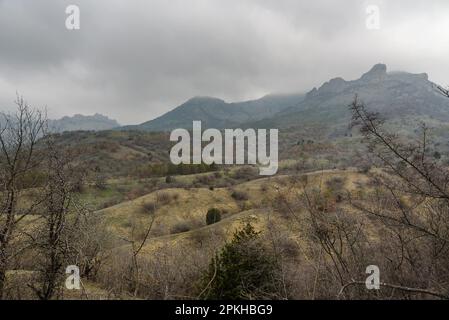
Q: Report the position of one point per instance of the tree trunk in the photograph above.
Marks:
(3, 268)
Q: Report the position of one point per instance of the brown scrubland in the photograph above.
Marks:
(140, 228)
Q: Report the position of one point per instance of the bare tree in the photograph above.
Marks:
(19, 134)
(443, 91)
(411, 201)
(404, 229)
(55, 238)
(92, 241)
(134, 279)
(136, 249)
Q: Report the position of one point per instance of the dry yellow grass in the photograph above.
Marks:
(175, 206)
(129, 220)
(17, 280)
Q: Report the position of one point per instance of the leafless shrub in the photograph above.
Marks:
(200, 236)
(179, 227)
(149, 207)
(110, 202)
(239, 195)
(204, 180)
(336, 183)
(164, 198)
(245, 173)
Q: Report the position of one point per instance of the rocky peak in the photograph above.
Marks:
(334, 85)
(81, 122)
(378, 71)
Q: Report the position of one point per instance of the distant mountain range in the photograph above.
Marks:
(395, 94)
(216, 113)
(78, 122)
(96, 122)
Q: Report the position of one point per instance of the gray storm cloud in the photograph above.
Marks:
(134, 60)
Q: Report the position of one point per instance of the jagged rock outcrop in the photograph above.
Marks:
(396, 95)
(96, 122)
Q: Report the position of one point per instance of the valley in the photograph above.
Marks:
(359, 182)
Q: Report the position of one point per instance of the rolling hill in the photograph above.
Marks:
(216, 113)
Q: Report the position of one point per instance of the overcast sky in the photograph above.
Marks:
(133, 60)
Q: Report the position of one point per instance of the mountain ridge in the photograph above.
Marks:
(394, 94)
(79, 122)
(216, 113)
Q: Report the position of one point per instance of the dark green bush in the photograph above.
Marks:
(244, 269)
(213, 216)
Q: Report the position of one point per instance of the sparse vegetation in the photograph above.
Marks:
(110, 203)
(149, 207)
(239, 195)
(180, 227)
